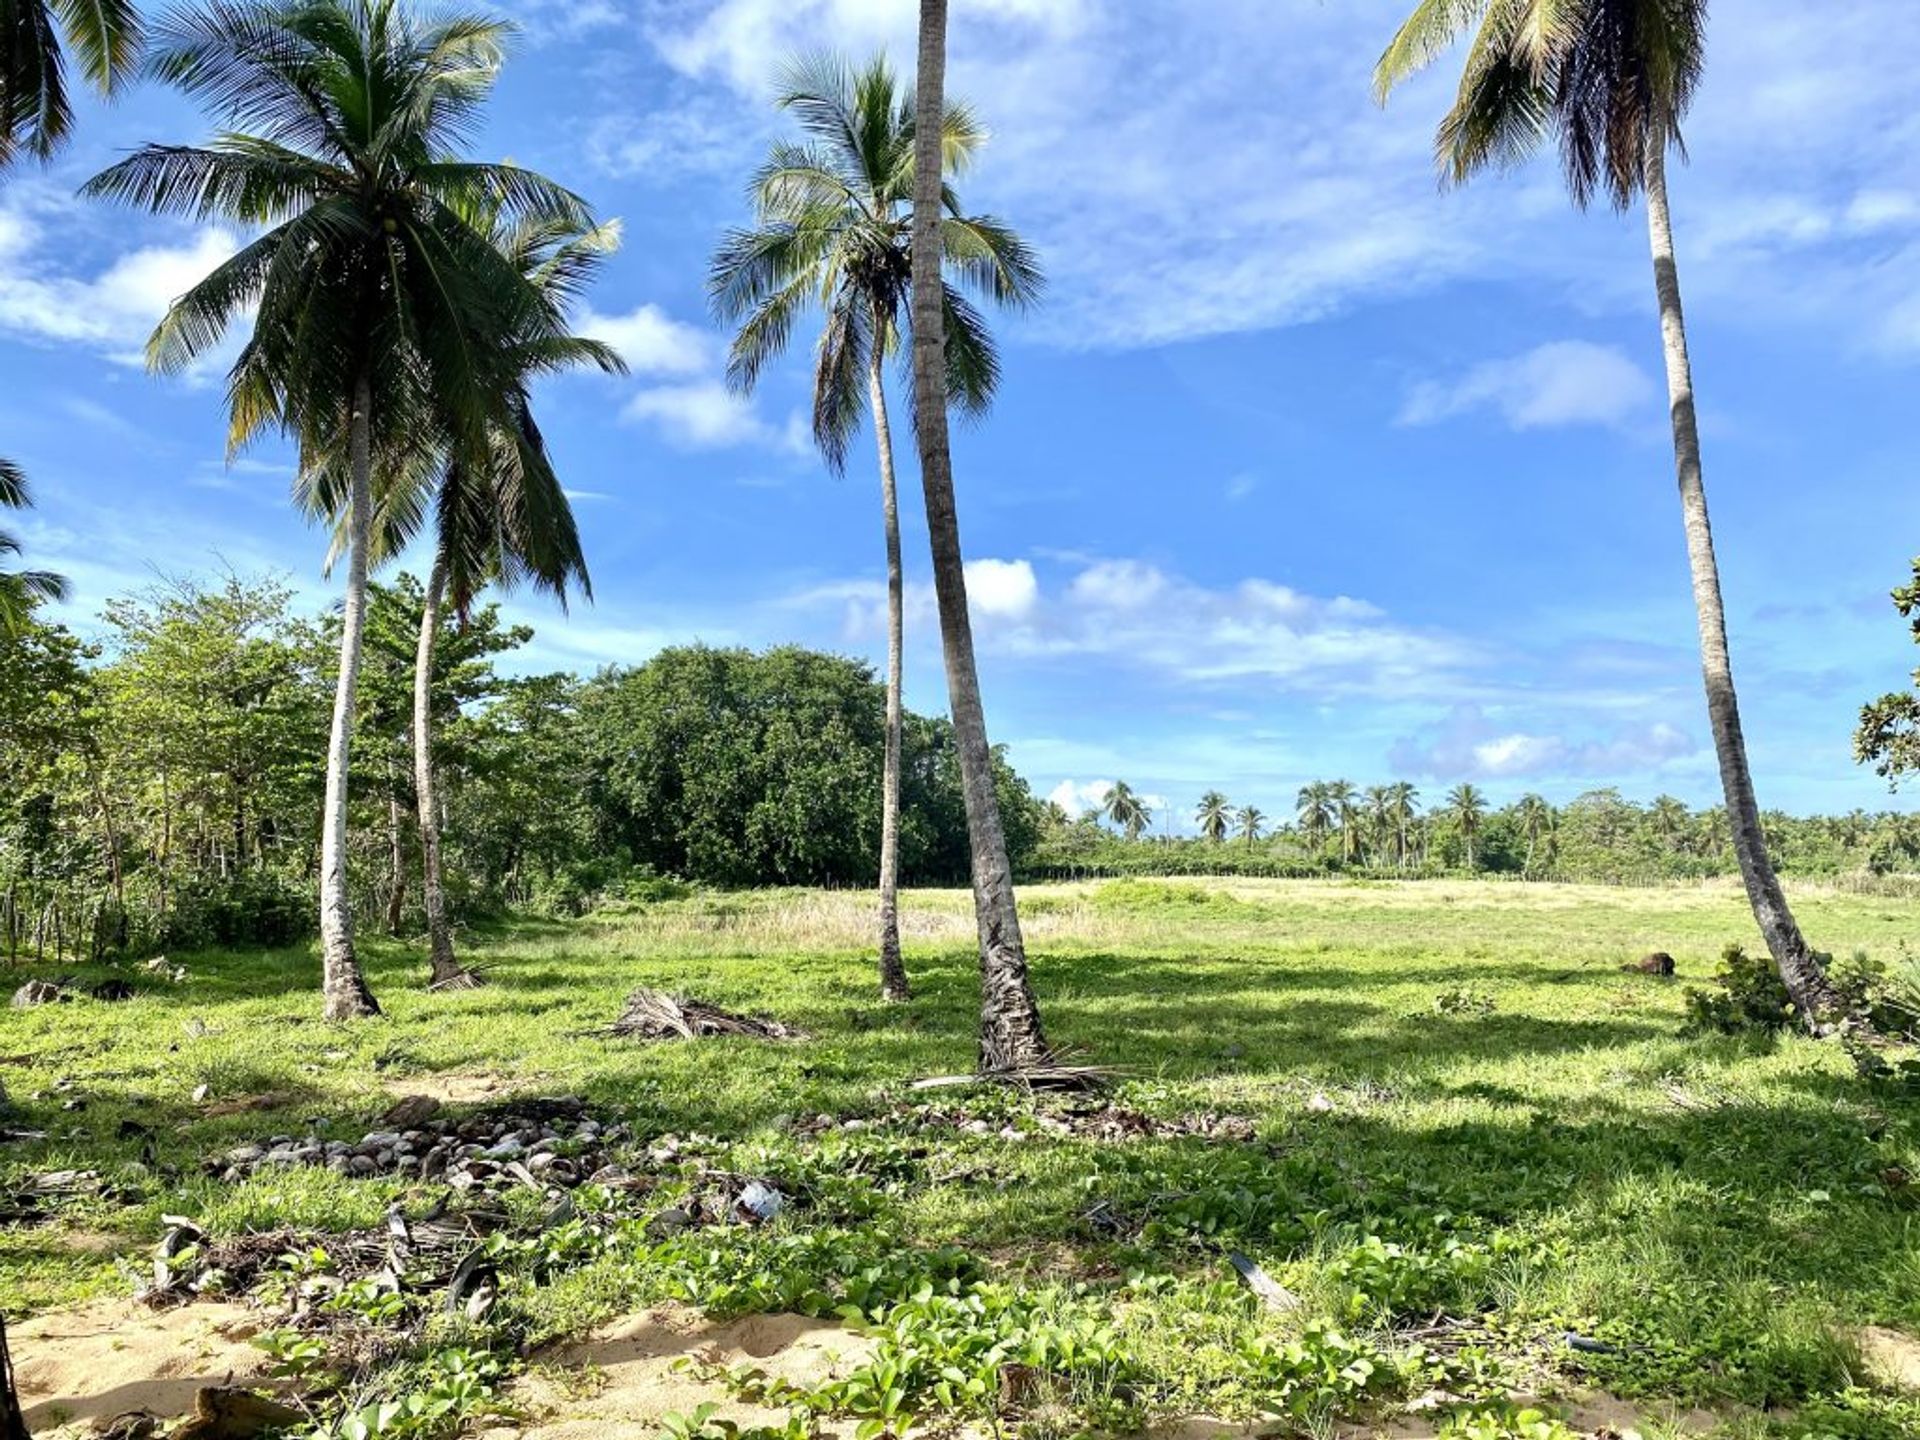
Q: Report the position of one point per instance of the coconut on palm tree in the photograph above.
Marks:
(832, 230)
(1610, 81)
(377, 309)
(1467, 807)
(1011, 1035)
(21, 590)
(500, 518)
(1214, 814)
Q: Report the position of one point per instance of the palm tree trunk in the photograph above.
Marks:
(13, 1424)
(396, 856)
(1806, 982)
(1010, 1033)
(345, 990)
(447, 972)
(893, 971)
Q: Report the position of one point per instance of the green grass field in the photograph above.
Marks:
(1442, 1115)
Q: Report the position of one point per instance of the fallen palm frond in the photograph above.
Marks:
(1028, 1077)
(656, 1015)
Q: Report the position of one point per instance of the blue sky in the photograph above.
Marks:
(1306, 469)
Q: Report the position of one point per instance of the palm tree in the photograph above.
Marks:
(1011, 1036)
(1344, 800)
(378, 310)
(1669, 819)
(1403, 808)
(498, 521)
(833, 230)
(1536, 821)
(21, 590)
(1467, 807)
(1125, 809)
(1377, 810)
(1249, 821)
(1611, 80)
(1214, 815)
(1314, 811)
(36, 113)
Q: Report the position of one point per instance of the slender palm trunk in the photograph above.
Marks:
(13, 1424)
(1010, 1033)
(396, 856)
(345, 990)
(893, 971)
(447, 972)
(1804, 979)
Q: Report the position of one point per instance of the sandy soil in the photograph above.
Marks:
(113, 1358)
(617, 1383)
(453, 1087)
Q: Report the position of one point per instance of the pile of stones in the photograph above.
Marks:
(551, 1144)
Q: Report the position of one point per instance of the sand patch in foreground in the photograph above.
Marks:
(115, 1357)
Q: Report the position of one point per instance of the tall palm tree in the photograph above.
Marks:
(378, 310)
(832, 229)
(21, 590)
(36, 111)
(1344, 800)
(1467, 807)
(498, 520)
(1669, 819)
(1377, 810)
(1536, 822)
(1214, 815)
(1610, 81)
(1011, 1035)
(1314, 812)
(1249, 821)
(1125, 809)
(1403, 808)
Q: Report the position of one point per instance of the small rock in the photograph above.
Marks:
(244, 1154)
(37, 992)
(200, 1092)
(1319, 1104)
(362, 1165)
(409, 1112)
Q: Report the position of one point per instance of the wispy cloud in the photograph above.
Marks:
(1469, 745)
(1566, 382)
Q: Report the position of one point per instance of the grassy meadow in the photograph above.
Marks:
(1443, 1116)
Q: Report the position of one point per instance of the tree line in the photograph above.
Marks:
(166, 782)
(1337, 827)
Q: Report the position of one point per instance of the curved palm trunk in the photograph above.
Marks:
(893, 971)
(447, 972)
(1010, 1033)
(1804, 979)
(345, 990)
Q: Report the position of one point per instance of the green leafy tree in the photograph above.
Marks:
(21, 590)
(1012, 1037)
(1888, 735)
(1125, 809)
(1610, 81)
(1214, 815)
(832, 230)
(378, 310)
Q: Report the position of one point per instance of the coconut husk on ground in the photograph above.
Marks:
(656, 1015)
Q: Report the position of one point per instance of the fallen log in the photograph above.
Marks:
(656, 1015)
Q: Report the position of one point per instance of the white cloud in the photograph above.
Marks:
(1002, 587)
(1239, 177)
(115, 310)
(706, 415)
(1471, 746)
(1133, 613)
(1078, 797)
(1567, 382)
(652, 342)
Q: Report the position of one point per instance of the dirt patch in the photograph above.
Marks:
(112, 1358)
(457, 1087)
(1894, 1357)
(617, 1383)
